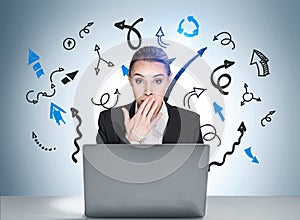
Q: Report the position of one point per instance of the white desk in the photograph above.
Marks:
(218, 207)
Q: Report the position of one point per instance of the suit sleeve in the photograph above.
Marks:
(101, 137)
(198, 133)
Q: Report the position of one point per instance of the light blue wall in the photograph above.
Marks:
(269, 26)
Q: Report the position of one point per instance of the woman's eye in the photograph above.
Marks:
(158, 81)
(138, 81)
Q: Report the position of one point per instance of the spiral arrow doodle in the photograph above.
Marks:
(225, 41)
(75, 114)
(218, 86)
(267, 118)
(241, 129)
(85, 29)
(44, 94)
(107, 99)
(214, 133)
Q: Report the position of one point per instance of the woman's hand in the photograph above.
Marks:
(140, 125)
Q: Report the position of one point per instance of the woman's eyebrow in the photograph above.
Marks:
(138, 74)
(160, 74)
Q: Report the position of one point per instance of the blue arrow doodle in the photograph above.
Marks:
(159, 35)
(125, 70)
(249, 154)
(218, 109)
(33, 57)
(55, 111)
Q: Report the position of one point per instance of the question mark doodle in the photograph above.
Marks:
(218, 86)
(241, 129)
(225, 41)
(121, 25)
(85, 29)
(213, 133)
(34, 136)
(44, 94)
(75, 114)
(267, 118)
(102, 103)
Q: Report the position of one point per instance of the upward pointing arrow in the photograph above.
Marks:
(218, 109)
(32, 57)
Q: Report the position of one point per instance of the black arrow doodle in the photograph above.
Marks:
(44, 94)
(121, 25)
(196, 91)
(263, 61)
(248, 96)
(75, 114)
(109, 63)
(34, 136)
(214, 133)
(267, 118)
(85, 29)
(226, 65)
(107, 99)
(225, 41)
(241, 129)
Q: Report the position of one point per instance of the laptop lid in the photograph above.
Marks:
(166, 180)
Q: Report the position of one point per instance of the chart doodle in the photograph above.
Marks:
(212, 133)
(36, 140)
(109, 63)
(121, 25)
(267, 118)
(259, 57)
(159, 35)
(75, 114)
(177, 76)
(248, 96)
(217, 85)
(85, 29)
(187, 97)
(44, 94)
(107, 95)
(225, 41)
(242, 129)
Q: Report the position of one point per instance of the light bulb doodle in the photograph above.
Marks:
(32, 57)
(159, 35)
(259, 57)
(186, 34)
(36, 140)
(109, 63)
(44, 94)
(267, 118)
(85, 29)
(217, 85)
(107, 95)
(212, 133)
(69, 43)
(242, 129)
(75, 114)
(196, 91)
(225, 41)
(177, 76)
(218, 110)
(55, 111)
(249, 154)
(248, 96)
(121, 25)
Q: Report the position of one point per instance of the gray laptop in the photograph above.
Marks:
(123, 180)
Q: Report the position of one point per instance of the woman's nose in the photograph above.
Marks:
(148, 90)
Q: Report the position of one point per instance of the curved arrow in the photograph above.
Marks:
(267, 118)
(226, 65)
(194, 92)
(241, 129)
(85, 29)
(172, 84)
(121, 25)
(249, 154)
(108, 97)
(159, 35)
(225, 41)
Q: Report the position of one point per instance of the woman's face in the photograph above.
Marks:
(149, 79)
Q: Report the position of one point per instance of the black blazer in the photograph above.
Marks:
(183, 126)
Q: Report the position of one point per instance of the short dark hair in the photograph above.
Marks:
(151, 54)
